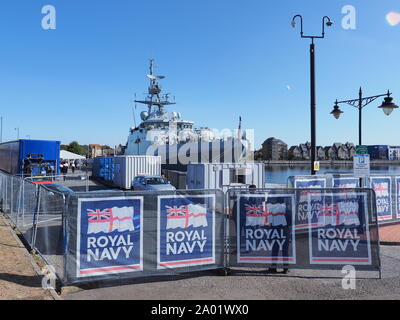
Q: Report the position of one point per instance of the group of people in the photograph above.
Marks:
(65, 165)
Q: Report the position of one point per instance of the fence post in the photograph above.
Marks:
(11, 198)
(34, 222)
(23, 201)
(65, 237)
(5, 196)
(87, 181)
(20, 194)
(227, 240)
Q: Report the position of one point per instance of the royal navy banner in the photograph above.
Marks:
(382, 188)
(397, 182)
(110, 236)
(186, 231)
(342, 233)
(350, 184)
(264, 229)
(304, 208)
(346, 183)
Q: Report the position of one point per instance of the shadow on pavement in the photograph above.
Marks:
(26, 281)
(150, 279)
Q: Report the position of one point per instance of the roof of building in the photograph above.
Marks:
(66, 155)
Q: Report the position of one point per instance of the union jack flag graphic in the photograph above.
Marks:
(341, 213)
(185, 216)
(381, 189)
(347, 194)
(266, 215)
(316, 195)
(110, 219)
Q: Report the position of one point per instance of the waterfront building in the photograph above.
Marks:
(394, 153)
(96, 150)
(305, 149)
(330, 153)
(351, 149)
(294, 153)
(321, 153)
(341, 151)
(274, 149)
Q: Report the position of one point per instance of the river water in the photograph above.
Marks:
(280, 173)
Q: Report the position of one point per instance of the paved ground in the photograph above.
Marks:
(390, 233)
(299, 284)
(18, 279)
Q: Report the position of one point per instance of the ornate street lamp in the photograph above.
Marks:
(336, 112)
(325, 21)
(387, 106)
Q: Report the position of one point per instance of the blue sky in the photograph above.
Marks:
(223, 59)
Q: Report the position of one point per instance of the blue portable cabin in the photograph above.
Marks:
(104, 168)
(14, 155)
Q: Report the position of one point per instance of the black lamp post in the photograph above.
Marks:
(312, 77)
(387, 106)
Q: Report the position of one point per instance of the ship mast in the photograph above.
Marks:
(154, 97)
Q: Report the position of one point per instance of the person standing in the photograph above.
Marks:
(286, 227)
(64, 169)
(77, 164)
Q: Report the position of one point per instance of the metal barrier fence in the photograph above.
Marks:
(37, 213)
(303, 228)
(89, 236)
(386, 187)
(137, 234)
(78, 182)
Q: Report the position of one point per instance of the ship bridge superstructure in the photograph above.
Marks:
(167, 133)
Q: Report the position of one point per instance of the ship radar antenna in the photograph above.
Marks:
(240, 127)
(133, 110)
(166, 96)
(154, 96)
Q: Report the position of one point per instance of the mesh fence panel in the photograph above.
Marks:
(3, 188)
(47, 238)
(27, 205)
(306, 229)
(170, 232)
(92, 236)
(386, 187)
(37, 213)
(26, 209)
(16, 197)
(79, 181)
(8, 196)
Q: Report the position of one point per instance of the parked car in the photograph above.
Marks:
(59, 188)
(151, 183)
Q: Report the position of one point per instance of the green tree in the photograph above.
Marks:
(75, 147)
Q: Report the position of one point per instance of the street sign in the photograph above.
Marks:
(316, 166)
(361, 165)
(361, 150)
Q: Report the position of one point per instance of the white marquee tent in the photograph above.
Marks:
(66, 155)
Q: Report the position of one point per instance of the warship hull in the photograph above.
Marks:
(177, 156)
